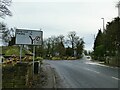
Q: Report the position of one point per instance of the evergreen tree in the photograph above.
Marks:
(108, 43)
(113, 36)
(99, 49)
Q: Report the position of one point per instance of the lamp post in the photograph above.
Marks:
(103, 24)
(118, 6)
(104, 39)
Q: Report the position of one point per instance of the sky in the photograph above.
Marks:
(56, 17)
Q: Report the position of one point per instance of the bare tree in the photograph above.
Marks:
(4, 4)
(73, 38)
(6, 32)
(77, 43)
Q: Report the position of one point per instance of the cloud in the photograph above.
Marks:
(54, 18)
(63, 0)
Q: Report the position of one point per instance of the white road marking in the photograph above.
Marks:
(115, 78)
(92, 70)
(99, 73)
(95, 63)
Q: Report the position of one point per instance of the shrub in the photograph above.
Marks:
(38, 59)
(56, 58)
(71, 58)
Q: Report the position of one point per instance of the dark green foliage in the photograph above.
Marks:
(12, 42)
(79, 48)
(113, 36)
(69, 51)
(107, 44)
(99, 39)
(99, 49)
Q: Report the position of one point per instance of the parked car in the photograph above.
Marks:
(88, 58)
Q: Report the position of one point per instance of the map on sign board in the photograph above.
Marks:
(29, 37)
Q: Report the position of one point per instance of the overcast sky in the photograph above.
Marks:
(57, 17)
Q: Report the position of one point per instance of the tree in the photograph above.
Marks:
(47, 47)
(12, 37)
(99, 49)
(99, 39)
(113, 36)
(4, 11)
(54, 46)
(69, 51)
(85, 52)
(72, 40)
(107, 44)
(4, 4)
(60, 48)
(79, 47)
(77, 44)
(7, 33)
(12, 41)
(39, 51)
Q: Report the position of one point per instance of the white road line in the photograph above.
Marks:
(115, 78)
(99, 73)
(92, 70)
(95, 63)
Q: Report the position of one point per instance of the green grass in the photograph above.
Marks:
(13, 50)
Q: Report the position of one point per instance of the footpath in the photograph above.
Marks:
(47, 78)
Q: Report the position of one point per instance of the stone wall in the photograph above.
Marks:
(17, 76)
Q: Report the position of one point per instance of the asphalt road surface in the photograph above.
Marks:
(85, 74)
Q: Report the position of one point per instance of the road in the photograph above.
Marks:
(85, 74)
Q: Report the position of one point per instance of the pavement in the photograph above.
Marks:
(50, 74)
(81, 74)
(47, 77)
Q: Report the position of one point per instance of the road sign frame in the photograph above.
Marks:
(28, 37)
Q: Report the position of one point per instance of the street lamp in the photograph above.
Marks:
(118, 6)
(104, 39)
(103, 24)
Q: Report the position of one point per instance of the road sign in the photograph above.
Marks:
(29, 37)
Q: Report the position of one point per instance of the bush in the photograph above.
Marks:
(28, 58)
(65, 58)
(56, 58)
(38, 59)
(71, 58)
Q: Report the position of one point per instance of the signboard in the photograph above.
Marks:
(29, 37)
